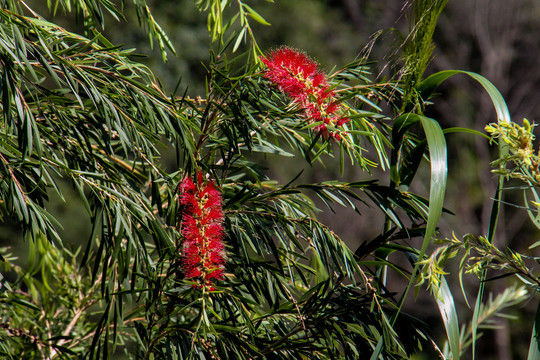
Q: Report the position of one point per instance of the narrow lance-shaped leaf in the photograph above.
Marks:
(534, 347)
(445, 302)
(438, 159)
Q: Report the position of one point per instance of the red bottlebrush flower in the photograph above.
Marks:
(299, 77)
(203, 257)
(294, 72)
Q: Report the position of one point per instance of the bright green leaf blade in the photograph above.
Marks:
(445, 302)
(427, 87)
(439, 172)
(476, 313)
(465, 130)
(534, 347)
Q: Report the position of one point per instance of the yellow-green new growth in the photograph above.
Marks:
(521, 150)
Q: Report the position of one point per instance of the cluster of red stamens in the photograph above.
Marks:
(299, 77)
(203, 255)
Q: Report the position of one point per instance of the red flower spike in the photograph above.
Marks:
(203, 257)
(299, 77)
(293, 71)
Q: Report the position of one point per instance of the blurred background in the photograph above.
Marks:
(498, 39)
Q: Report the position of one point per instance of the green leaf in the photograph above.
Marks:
(534, 218)
(256, 16)
(266, 147)
(445, 302)
(534, 347)
(429, 85)
(476, 312)
(439, 169)
(239, 38)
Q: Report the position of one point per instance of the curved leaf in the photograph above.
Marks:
(429, 85)
(439, 169)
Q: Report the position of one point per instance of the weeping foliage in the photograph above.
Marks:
(78, 110)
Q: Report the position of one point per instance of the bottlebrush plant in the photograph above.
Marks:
(219, 257)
